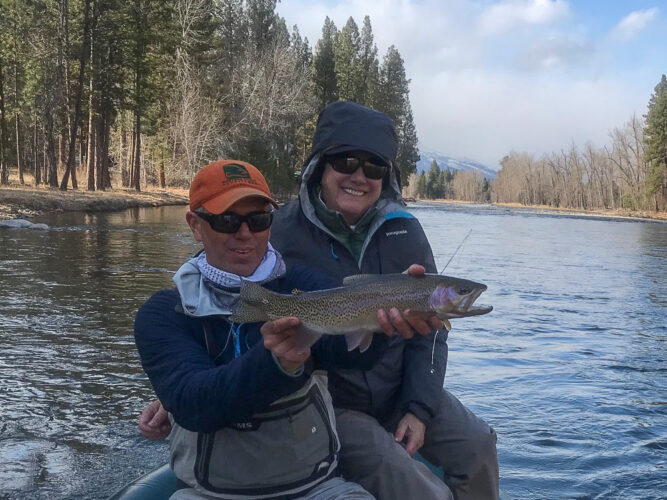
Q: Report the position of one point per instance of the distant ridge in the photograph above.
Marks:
(444, 161)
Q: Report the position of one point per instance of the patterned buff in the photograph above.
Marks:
(230, 280)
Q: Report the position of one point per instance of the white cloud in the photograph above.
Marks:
(634, 22)
(506, 16)
(555, 53)
(484, 115)
(475, 96)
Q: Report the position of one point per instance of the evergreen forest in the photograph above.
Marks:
(101, 94)
(97, 94)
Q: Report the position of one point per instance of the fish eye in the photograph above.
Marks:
(464, 291)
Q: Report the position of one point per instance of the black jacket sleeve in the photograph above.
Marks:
(202, 396)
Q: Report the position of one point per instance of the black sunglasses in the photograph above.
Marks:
(350, 164)
(229, 222)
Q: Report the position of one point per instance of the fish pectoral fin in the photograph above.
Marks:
(361, 339)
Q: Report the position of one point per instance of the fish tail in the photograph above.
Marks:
(252, 305)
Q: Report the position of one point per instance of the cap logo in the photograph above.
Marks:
(235, 172)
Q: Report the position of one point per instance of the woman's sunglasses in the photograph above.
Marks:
(229, 222)
(350, 164)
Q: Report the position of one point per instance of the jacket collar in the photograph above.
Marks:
(202, 297)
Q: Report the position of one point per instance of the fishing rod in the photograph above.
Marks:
(455, 251)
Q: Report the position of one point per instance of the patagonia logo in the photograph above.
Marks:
(235, 172)
(396, 233)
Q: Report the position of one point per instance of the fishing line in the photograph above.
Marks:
(455, 251)
(433, 350)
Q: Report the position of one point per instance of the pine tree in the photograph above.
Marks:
(393, 86)
(655, 137)
(393, 99)
(325, 85)
(433, 181)
(408, 154)
(421, 186)
(346, 58)
(262, 23)
(369, 72)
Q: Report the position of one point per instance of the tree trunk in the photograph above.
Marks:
(19, 164)
(4, 151)
(35, 160)
(137, 152)
(160, 169)
(77, 110)
(17, 121)
(64, 25)
(91, 156)
(51, 150)
(138, 88)
(130, 158)
(123, 162)
(91, 127)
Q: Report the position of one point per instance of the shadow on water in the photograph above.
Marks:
(570, 367)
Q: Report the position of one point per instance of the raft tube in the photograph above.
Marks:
(160, 484)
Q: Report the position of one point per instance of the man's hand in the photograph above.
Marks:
(287, 342)
(154, 422)
(407, 324)
(412, 430)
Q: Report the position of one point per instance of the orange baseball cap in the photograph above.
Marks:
(220, 184)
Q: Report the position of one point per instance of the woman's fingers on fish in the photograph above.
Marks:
(385, 324)
(435, 322)
(421, 325)
(403, 328)
(415, 270)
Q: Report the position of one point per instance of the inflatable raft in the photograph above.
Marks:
(160, 483)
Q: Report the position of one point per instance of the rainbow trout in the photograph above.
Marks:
(351, 309)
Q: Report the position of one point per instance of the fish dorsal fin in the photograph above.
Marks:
(358, 279)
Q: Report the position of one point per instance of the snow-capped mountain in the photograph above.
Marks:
(444, 161)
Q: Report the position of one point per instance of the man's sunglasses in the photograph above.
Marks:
(350, 164)
(229, 222)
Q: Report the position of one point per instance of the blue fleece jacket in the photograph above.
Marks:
(204, 394)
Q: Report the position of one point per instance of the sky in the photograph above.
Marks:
(491, 77)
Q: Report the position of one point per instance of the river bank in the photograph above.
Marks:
(20, 202)
(616, 213)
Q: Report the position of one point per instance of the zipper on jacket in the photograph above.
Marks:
(236, 332)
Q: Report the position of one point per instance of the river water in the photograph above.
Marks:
(570, 368)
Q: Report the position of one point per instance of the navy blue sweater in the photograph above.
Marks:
(204, 394)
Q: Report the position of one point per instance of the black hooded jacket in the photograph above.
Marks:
(410, 375)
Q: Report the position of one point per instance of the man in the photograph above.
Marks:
(349, 219)
(249, 420)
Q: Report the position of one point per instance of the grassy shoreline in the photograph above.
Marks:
(20, 202)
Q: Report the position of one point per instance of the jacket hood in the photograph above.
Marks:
(348, 126)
